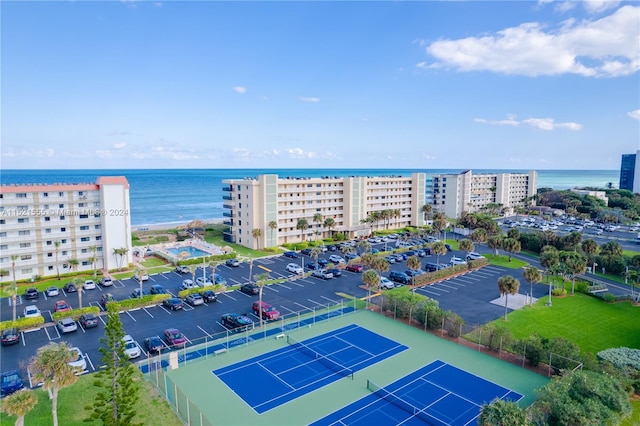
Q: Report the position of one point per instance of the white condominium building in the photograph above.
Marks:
(43, 227)
(265, 211)
(465, 191)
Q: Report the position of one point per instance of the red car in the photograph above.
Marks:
(174, 337)
(354, 268)
(61, 306)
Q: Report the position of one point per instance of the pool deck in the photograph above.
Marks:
(163, 249)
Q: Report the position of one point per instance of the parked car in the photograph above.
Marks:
(312, 266)
(335, 271)
(291, 254)
(448, 247)
(323, 262)
(354, 267)
(336, 259)
(157, 289)
(209, 296)
(131, 348)
(332, 247)
(31, 311)
(194, 299)
(78, 363)
(142, 276)
(182, 269)
(31, 293)
(173, 303)
(61, 306)
(269, 313)
(474, 256)
(294, 268)
(11, 382)
(306, 251)
(399, 277)
(188, 284)
(106, 298)
(430, 267)
(386, 283)
(175, 338)
(322, 273)
(89, 285)
(153, 344)
(70, 288)
(136, 293)
(105, 282)
(67, 325)
(414, 272)
(52, 292)
(10, 336)
(350, 256)
(88, 320)
(234, 263)
(250, 288)
(237, 322)
(204, 282)
(457, 261)
(218, 279)
(390, 258)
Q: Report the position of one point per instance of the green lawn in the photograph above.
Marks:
(151, 408)
(589, 322)
(634, 420)
(503, 260)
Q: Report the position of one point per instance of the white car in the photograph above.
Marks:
(143, 277)
(457, 261)
(32, 311)
(386, 283)
(336, 259)
(203, 282)
(89, 285)
(131, 348)
(67, 325)
(78, 363)
(52, 291)
(294, 268)
(472, 255)
(188, 284)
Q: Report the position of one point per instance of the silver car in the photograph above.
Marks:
(67, 325)
(321, 273)
(194, 299)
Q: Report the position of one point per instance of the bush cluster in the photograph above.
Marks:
(207, 259)
(22, 323)
(138, 302)
(75, 313)
(184, 293)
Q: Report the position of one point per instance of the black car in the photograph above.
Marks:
(291, 254)
(306, 251)
(31, 293)
(105, 299)
(335, 271)
(312, 266)
(88, 320)
(182, 269)
(237, 322)
(250, 288)
(332, 248)
(137, 293)
(70, 288)
(430, 267)
(11, 382)
(174, 303)
(448, 247)
(399, 277)
(209, 296)
(323, 262)
(157, 289)
(234, 263)
(10, 336)
(153, 344)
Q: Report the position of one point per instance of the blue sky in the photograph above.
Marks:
(412, 85)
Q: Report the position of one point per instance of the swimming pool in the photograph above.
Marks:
(191, 251)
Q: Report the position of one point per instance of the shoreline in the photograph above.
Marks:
(169, 225)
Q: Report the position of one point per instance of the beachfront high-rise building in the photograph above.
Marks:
(465, 191)
(65, 227)
(630, 172)
(266, 211)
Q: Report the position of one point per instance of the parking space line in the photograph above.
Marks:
(165, 309)
(430, 292)
(22, 335)
(306, 307)
(119, 282)
(330, 300)
(438, 288)
(90, 363)
(203, 330)
(230, 297)
(270, 287)
(131, 316)
(444, 285)
(148, 313)
(187, 307)
(282, 285)
(284, 307)
(49, 336)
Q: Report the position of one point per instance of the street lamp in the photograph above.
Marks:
(594, 267)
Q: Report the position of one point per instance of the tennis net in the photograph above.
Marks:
(406, 406)
(324, 360)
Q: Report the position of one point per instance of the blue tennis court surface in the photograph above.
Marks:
(437, 394)
(269, 380)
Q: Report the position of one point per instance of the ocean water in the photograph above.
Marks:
(171, 196)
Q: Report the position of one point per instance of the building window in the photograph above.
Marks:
(63, 241)
(97, 227)
(61, 206)
(99, 237)
(4, 247)
(26, 232)
(64, 252)
(22, 208)
(85, 239)
(26, 271)
(25, 245)
(84, 228)
(61, 217)
(84, 250)
(47, 219)
(84, 216)
(1, 221)
(45, 194)
(47, 231)
(21, 195)
(82, 204)
(60, 194)
(23, 220)
(50, 268)
(25, 257)
(63, 229)
(49, 254)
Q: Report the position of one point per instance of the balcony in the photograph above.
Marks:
(227, 188)
(228, 214)
(228, 237)
(227, 222)
(228, 206)
(227, 197)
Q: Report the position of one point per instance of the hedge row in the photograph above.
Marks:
(22, 323)
(138, 302)
(75, 313)
(184, 293)
(207, 259)
(431, 277)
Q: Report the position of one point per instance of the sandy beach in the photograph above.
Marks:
(169, 225)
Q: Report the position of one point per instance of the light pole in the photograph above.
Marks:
(594, 267)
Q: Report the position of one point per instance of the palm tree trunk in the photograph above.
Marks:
(54, 406)
(14, 300)
(506, 299)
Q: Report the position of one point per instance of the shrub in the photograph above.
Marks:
(75, 313)
(532, 347)
(138, 302)
(559, 291)
(184, 293)
(22, 323)
(431, 277)
(207, 259)
(453, 324)
(609, 298)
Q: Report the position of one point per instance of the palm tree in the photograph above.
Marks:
(57, 247)
(507, 285)
(413, 263)
(317, 219)
(315, 252)
(479, 235)
(466, 245)
(590, 248)
(273, 225)
(531, 275)
(439, 222)
(302, 225)
(257, 233)
(494, 243)
(79, 284)
(14, 294)
(51, 368)
(94, 260)
(427, 210)
(438, 249)
(120, 253)
(73, 263)
(19, 404)
(261, 280)
(140, 272)
(329, 223)
(372, 280)
(511, 246)
(577, 264)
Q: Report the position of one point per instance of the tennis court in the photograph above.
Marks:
(437, 394)
(270, 380)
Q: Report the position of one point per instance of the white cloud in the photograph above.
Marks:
(606, 47)
(597, 6)
(312, 100)
(299, 153)
(538, 123)
(634, 114)
(240, 89)
(119, 145)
